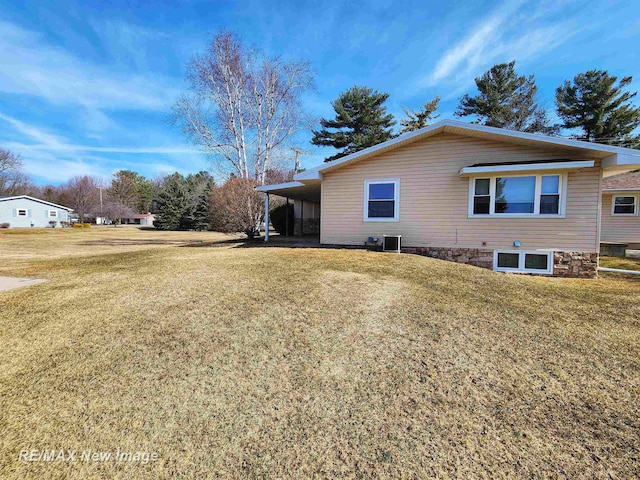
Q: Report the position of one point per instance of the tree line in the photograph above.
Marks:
(594, 106)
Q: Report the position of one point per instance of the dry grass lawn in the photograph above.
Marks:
(274, 362)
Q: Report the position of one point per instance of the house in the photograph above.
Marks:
(22, 211)
(494, 198)
(142, 219)
(620, 219)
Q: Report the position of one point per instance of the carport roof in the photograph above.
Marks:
(295, 190)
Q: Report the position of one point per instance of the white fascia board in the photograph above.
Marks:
(279, 186)
(620, 159)
(621, 190)
(529, 167)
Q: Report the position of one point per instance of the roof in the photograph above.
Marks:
(296, 190)
(524, 162)
(16, 197)
(613, 157)
(624, 181)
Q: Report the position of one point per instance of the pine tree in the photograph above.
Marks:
(506, 100)
(172, 203)
(598, 107)
(416, 120)
(361, 121)
(196, 216)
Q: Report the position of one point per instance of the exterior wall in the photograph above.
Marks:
(434, 199)
(306, 218)
(575, 264)
(619, 229)
(37, 213)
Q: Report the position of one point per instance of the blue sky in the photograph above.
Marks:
(87, 87)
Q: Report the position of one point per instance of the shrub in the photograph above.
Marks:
(278, 219)
(235, 206)
(65, 224)
(53, 223)
(4, 225)
(81, 225)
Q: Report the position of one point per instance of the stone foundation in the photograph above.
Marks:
(479, 257)
(575, 264)
(565, 264)
(307, 226)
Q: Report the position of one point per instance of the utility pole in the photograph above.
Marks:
(296, 165)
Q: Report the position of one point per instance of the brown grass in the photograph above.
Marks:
(627, 263)
(274, 362)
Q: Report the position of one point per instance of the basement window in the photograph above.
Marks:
(524, 262)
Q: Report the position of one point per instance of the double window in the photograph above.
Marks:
(522, 195)
(624, 205)
(382, 200)
(528, 262)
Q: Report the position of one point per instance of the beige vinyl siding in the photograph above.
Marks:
(434, 199)
(623, 229)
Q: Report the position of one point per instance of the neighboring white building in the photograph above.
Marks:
(22, 211)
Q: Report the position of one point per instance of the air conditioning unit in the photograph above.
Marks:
(391, 243)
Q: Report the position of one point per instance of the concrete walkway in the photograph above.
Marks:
(9, 283)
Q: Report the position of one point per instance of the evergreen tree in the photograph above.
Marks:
(361, 121)
(196, 216)
(172, 203)
(598, 107)
(506, 100)
(416, 120)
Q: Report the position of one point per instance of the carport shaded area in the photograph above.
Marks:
(306, 203)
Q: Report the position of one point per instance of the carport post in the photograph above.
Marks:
(266, 217)
(286, 219)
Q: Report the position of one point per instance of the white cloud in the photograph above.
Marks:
(507, 34)
(31, 66)
(53, 143)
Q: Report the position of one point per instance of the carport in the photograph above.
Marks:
(306, 197)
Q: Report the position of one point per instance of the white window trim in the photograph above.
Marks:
(54, 212)
(396, 199)
(25, 210)
(635, 205)
(521, 262)
(562, 185)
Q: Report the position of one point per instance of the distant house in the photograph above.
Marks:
(142, 219)
(22, 211)
(620, 210)
(499, 199)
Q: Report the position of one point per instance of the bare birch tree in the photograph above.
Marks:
(13, 180)
(242, 106)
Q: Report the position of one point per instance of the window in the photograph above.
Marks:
(53, 214)
(481, 196)
(381, 200)
(529, 262)
(522, 195)
(22, 212)
(624, 205)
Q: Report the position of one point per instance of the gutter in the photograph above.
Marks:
(617, 270)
